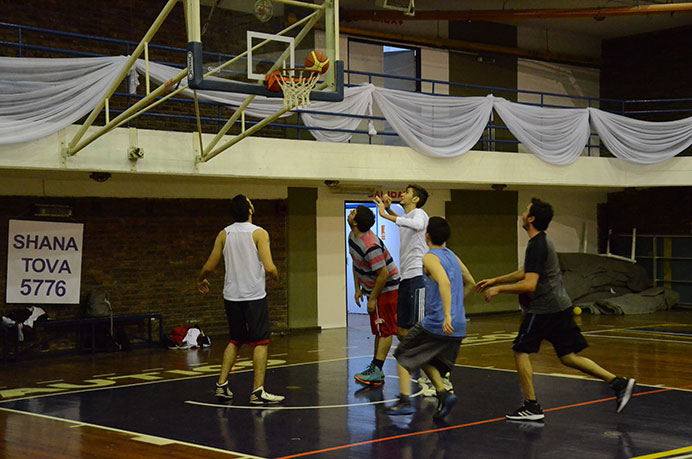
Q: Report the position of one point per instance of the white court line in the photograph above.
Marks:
(564, 375)
(279, 355)
(658, 340)
(313, 407)
(50, 382)
(104, 375)
(129, 432)
(151, 369)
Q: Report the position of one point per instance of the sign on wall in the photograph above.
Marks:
(44, 262)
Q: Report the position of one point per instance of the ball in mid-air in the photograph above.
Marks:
(317, 60)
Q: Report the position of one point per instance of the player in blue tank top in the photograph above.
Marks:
(433, 343)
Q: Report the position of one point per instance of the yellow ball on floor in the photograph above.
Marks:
(577, 311)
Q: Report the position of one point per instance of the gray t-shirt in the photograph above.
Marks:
(550, 295)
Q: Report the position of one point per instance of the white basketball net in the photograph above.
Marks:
(296, 85)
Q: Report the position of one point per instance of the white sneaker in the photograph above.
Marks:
(261, 397)
(426, 387)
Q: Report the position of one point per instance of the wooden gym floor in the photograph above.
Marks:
(160, 403)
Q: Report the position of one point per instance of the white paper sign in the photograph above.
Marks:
(44, 262)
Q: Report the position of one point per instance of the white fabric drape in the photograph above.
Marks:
(555, 135)
(436, 126)
(641, 142)
(39, 97)
(357, 101)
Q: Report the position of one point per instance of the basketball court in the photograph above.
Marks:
(328, 414)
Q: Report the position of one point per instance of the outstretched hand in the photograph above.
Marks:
(485, 283)
(382, 206)
(203, 286)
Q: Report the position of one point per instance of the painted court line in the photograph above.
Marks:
(670, 454)
(204, 375)
(136, 435)
(639, 339)
(460, 426)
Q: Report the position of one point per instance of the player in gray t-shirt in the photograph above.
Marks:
(548, 315)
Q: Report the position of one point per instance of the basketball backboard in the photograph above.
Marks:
(261, 36)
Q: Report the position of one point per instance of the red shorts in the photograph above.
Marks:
(383, 320)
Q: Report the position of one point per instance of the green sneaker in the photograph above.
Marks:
(372, 376)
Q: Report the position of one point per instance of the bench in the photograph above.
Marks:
(88, 324)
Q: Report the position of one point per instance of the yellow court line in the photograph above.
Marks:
(670, 453)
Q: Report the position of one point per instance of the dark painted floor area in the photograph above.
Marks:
(656, 420)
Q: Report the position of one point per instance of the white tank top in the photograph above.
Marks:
(245, 277)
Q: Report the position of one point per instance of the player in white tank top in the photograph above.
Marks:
(245, 250)
(244, 270)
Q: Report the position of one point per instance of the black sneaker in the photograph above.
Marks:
(401, 407)
(623, 388)
(445, 402)
(223, 391)
(529, 411)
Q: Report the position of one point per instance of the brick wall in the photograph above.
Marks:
(147, 252)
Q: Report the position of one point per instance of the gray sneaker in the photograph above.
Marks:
(623, 388)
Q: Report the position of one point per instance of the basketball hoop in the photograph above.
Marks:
(296, 85)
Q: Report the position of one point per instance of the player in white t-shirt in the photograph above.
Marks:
(412, 247)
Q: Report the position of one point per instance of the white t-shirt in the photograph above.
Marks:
(245, 277)
(412, 228)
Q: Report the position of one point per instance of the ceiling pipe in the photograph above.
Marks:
(468, 46)
(505, 15)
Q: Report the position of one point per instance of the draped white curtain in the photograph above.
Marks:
(555, 135)
(641, 142)
(436, 126)
(39, 97)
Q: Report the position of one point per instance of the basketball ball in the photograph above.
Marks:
(317, 60)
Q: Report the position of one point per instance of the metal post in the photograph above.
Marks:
(130, 61)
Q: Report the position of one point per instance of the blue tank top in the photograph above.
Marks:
(434, 312)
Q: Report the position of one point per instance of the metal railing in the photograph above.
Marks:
(494, 135)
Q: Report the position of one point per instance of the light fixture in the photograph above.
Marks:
(52, 210)
(100, 176)
(407, 6)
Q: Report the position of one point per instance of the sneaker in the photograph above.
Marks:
(623, 388)
(426, 387)
(445, 402)
(261, 397)
(401, 407)
(447, 383)
(372, 376)
(182, 346)
(223, 391)
(529, 411)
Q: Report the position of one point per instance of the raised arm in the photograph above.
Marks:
(261, 238)
(384, 207)
(213, 260)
